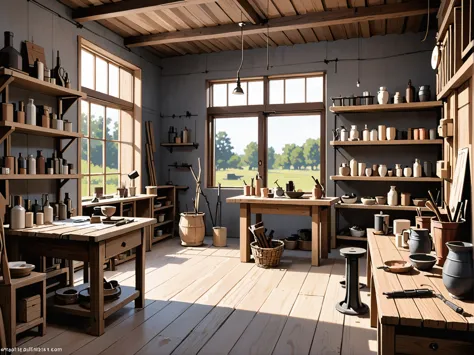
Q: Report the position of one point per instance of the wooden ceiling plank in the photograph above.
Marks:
(154, 21)
(186, 17)
(262, 6)
(124, 28)
(231, 10)
(127, 21)
(312, 20)
(295, 37)
(364, 26)
(144, 23)
(280, 38)
(218, 12)
(211, 45)
(127, 7)
(248, 11)
(285, 7)
(394, 26)
(378, 27)
(414, 23)
(339, 31)
(155, 17)
(117, 29)
(201, 15)
(299, 7)
(308, 35)
(74, 3)
(201, 47)
(180, 24)
(178, 48)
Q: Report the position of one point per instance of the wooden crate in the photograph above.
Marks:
(29, 309)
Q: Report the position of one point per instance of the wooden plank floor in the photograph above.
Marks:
(204, 301)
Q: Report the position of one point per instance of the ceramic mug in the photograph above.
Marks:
(264, 192)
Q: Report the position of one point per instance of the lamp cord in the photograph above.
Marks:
(268, 33)
(241, 24)
(427, 22)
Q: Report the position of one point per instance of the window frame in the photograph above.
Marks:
(263, 112)
(108, 101)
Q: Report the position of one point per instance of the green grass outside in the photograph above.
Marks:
(111, 183)
(301, 178)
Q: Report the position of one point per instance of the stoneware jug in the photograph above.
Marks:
(424, 94)
(417, 169)
(366, 134)
(398, 170)
(458, 274)
(392, 196)
(419, 241)
(383, 96)
(382, 170)
(354, 133)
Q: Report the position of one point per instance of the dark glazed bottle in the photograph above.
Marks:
(9, 56)
(40, 163)
(57, 72)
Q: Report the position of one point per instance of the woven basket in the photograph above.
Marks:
(267, 257)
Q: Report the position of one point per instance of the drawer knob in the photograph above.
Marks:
(124, 244)
(434, 346)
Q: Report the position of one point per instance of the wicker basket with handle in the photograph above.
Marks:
(267, 257)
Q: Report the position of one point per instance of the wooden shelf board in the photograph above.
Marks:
(178, 144)
(22, 327)
(412, 106)
(128, 294)
(40, 177)
(360, 206)
(461, 76)
(349, 237)
(27, 82)
(162, 208)
(39, 131)
(385, 178)
(161, 237)
(121, 261)
(391, 142)
(159, 224)
(448, 19)
(161, 197)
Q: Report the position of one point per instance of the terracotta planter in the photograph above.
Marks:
(192, 229)
(443, 232)
(219, 236)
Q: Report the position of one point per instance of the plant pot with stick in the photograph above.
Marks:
(219, 233)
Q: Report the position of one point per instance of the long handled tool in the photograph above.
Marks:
(423, 292)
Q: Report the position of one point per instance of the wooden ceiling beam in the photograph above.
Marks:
(128, 7)
(248, 11)
(309, 20)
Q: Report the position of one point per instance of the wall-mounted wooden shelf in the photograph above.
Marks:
(385, 178)
(462, 75)
(413, 106)
(360, 206)
(391, 142)
(163, 208)
(171, 146)
(39, 131)
(349, 237)
(40, 177)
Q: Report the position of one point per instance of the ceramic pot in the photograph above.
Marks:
(417, 169)
(9, 162)
(368, 171)
(424, 94)
(192, 228)
(419, 241)
(361, 169)
(409, 134)
(432, 134)
(382, 134)
(366, 134)
(17, 214)
(416, 134)
(31, 112)
(397, 98)
(344, 170)
(354, 133)
(392, 196)
(382, 170)
(31, 164)
(381, 223)
(383, 96)
(405, 199)
(390, 172)
(373, 135)
(344, 134)
(443, 232)
(410, 92)
(375, 169)
(427, 169)
(353, 166)
(398, 170)
(381, 200)
(48, 211)
(407, 171)
(422, 134)
(317, 192)
(458, 274)
(391, 133)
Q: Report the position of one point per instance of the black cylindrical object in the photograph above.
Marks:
(9, 56)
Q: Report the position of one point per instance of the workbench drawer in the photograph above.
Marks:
(123, 243)
(406, 344)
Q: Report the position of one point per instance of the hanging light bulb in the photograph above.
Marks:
(358, 56)
(358, 83)
(238, 89)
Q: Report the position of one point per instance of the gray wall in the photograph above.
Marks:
(28, 21)
(183, 88)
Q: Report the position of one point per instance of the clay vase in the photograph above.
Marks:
(382, 170)
(443, 232)
(392, 196)
(458, 274)
(417, 169)
(368, 171)
(407, 171)
(398, 170)
(366, 134)
(373, 135)
(419, 241)
(344, 170)
(383, 96)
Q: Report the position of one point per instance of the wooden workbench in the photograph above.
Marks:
(318, 210)
(91, 243)
(414, 325)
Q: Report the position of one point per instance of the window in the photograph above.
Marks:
(110, 148)
(282, 139)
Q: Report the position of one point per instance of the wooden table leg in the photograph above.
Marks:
(71, 273)
(97, 259)
(368, 270)
(324, 233)
(8, 305)
(85, 272)
(244, 232)
(373, 306)
(42, 326)
(386, 339)
(140, 271)
(315, 235)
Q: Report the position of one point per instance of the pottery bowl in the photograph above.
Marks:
(294, 194)
(20, 269)
(381, 200)
(368, 201)
(348, 199)
(420, 202)
(108, 211)
(357, 233)
(398, 266)
(423, 262)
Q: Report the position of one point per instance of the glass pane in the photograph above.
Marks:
(219, 95)
(126, 88)
(87, 69)
(97, 121)
(101, 81)
(113, 80)
(97, 156)
(314, 89)
(236, 150)
(294, 154)
(112, 157)
(237, 100)
(112, 182)
(85, 118)
(255, 92)
(277, 91)
(85, 187)
(84, 156)
(112, 131)
(294, 90)
(96, 181)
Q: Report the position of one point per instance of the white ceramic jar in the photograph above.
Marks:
(31, 112)
(383, 96)
(361, 169)
(398, 170)
(382, 170)
(373, 135)
(366, 134)
(391, 133)
(354, 133)
(407, 171)
(353, 166)
(31, 165)
(18, 215)
(417, 169)
(344, 134)
(392, 196)
(397, 98)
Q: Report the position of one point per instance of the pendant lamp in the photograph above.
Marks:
(238, 89)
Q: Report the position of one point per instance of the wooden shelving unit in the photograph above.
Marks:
(462, 75)
(390, 143)
(166, 194)
(360, 206)
(412, 106)
(385, 178)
